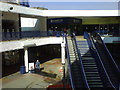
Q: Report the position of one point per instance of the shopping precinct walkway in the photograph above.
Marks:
(49, 75)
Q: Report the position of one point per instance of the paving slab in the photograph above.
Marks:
(48, 76)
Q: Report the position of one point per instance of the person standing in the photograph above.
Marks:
(37, 65)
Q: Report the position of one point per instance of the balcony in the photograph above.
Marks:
(6, 36)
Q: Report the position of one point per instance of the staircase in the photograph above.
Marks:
(75, 65)
(89, 64)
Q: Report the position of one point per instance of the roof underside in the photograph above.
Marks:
(55, 13)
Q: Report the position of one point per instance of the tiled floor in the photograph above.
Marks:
(49, 75)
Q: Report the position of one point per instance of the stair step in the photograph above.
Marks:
(73, 59)
(89, 58)
(91, 68)
(88, 61)
(96, 86)
(95, 83)
(85, 53)
(91, 72)
(94, 80)
(82, 45)
(89, 65)
(72, 56)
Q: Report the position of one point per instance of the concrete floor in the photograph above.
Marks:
(48, 76)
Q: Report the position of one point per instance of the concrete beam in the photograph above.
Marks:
(19, 44)
(72, 13)
(5, 7)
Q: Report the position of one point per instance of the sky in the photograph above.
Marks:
(76, 5)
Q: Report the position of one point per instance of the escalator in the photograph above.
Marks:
(90, 67)
(75, 66)
(109, 63)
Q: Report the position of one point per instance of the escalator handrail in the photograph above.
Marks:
(93, 46)
(105, 47)
(80, 60)
(69, 64)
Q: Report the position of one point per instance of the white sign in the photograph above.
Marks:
(31, 66)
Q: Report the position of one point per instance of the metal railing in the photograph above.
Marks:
(69, 64)
(107, 32)
(28, 34)
(100, 41)
(81, 65)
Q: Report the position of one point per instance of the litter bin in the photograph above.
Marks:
(22, 69)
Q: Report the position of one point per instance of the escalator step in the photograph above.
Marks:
(92, 75)
(91, 72)
(97, 86)
(89, 65)
(95, 83)
(91, 69)
(83, 46)
(88, 61)
(94, 80)
(88, 58)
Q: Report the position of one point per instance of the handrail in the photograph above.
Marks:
(80, 59)
(28, 34)
(113, 61)
(68, 57)
(96, 52)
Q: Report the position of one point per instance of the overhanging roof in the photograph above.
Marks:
(5, 7)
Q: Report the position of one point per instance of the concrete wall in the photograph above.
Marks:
(33, 24)
(12, 17)
(101, 20)
(43, 23)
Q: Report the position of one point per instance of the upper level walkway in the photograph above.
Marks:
(29, 39)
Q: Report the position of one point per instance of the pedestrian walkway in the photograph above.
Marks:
(48, 76)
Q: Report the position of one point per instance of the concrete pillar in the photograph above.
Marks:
(43, 23)
(26, 58)
(63, 52)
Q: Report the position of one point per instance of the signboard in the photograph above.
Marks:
(31, 66)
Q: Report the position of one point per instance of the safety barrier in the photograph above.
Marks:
(69, 64)
(28, 34)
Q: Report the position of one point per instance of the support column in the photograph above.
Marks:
(26, 58)
(63, 52)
